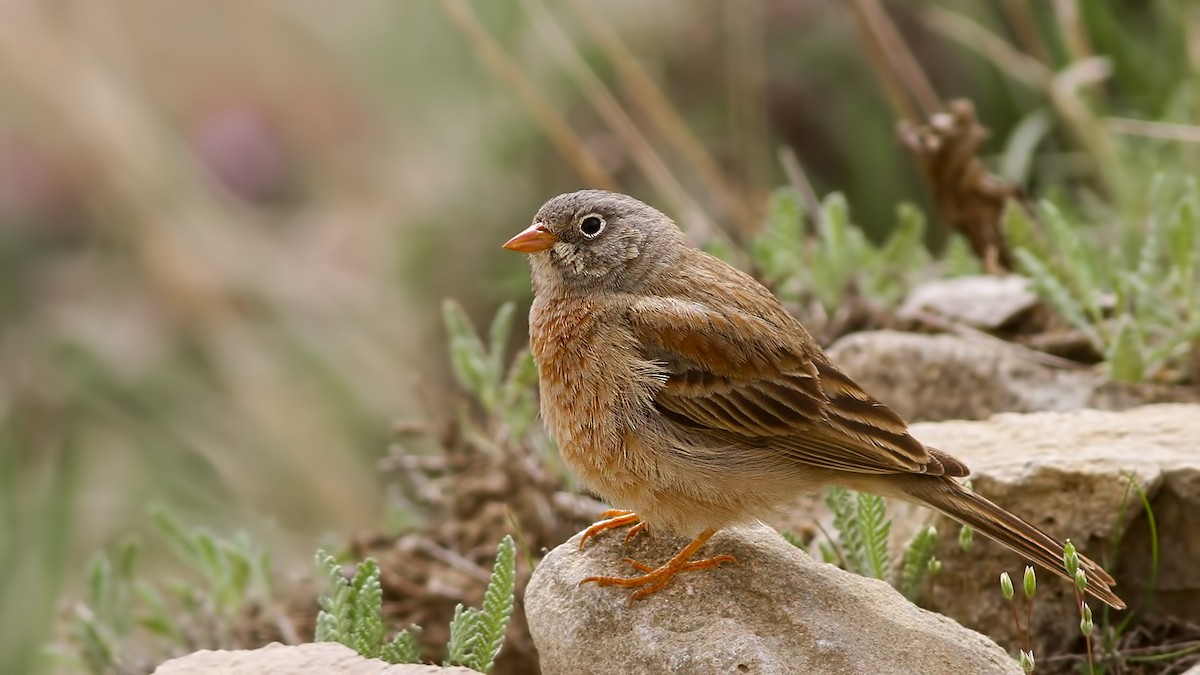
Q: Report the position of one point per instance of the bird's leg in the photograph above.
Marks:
(656, 578)
(610, 519)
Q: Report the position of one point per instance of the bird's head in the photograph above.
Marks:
(593, 240)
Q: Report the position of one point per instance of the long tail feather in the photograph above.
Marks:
(990, 520)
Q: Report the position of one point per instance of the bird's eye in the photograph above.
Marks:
(591, 226)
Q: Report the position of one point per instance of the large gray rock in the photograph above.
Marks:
(941, 377)
(276, 659)
(1067, 474)
(776, 611)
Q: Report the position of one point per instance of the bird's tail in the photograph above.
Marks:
(959, 503)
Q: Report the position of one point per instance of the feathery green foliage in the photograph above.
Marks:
(505, 394)
(863, 528)
(919, 561)
(119, 611)
(476, 635)
(352, 614)
(1131, 289)
(821, 264)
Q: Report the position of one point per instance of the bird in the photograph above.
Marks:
(679, 389)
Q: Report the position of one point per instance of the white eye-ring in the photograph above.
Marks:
(592, 225)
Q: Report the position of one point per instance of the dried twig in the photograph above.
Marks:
(968, 197)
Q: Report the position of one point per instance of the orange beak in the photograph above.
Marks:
(532, 239)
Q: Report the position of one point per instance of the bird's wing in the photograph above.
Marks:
(752, 378)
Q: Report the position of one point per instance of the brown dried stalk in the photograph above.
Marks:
(573, 149)
(968, 197)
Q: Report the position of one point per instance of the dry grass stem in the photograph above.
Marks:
(692, 216)
(1073, 31)
(1082, 122)
(746, 77)
(893, 60)
(649, 98)
(1024, 26)
(969, 33)
(1167, 131)
(1062, 89)
(573, 149)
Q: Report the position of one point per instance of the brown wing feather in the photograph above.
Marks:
(753, 379)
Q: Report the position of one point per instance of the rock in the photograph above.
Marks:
(940, 377)
(1066, 473)
(776, 611)
(983, 302)
(276, 659)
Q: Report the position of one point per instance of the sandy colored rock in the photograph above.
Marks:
(276, 659)
(776, 611)
(1066, 473)
(985, 302)
(943, 377)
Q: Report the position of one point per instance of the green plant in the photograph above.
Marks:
(1029, 585)
(109, 628)
(863, 527)
(476, 635)
(1131, 289)
(861, 546)
(821, 265)
(506, 394)
(919, 561)
(351, 614)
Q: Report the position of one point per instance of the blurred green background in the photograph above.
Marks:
(226, 227)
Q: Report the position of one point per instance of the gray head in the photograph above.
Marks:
(595, 240)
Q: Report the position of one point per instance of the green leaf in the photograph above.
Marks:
(158, 618)
(498, 340)
(179, 541)
(958, 259)
(872, 515)
(845, 522)
(1018, 227)
(366, 609)
(863, 528)
(917, 555)
(468, 358)
(779, 250)
(1125, 358)
(95, 645)
(520, 402)
(331, 620)
(1073, 264)
(463, 636)
(99, 585)
(1054, 292)
(403, 648)
(492, 621)
(904, 246)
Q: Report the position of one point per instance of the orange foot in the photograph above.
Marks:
(656, 578)
(614, 518)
